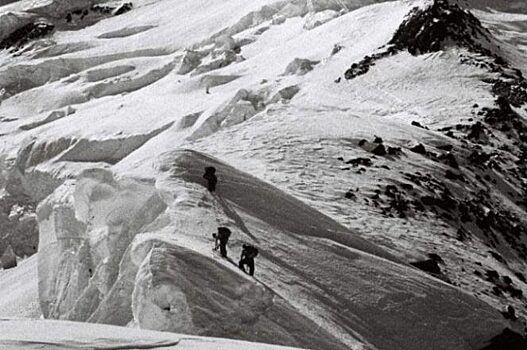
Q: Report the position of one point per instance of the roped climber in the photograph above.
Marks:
(221, 240)
(249, 252)
(210, 176)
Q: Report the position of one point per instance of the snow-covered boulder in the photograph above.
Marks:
(240, 112)
(244, 105)
(300, 66)
(189, 61)
(313, 20)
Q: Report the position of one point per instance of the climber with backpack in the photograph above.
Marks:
(210, 176)
(249, 252)
(221, 240)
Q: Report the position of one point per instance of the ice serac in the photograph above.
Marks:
(120, 251)
(85, 229)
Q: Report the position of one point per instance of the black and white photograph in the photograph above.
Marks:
(263, 174)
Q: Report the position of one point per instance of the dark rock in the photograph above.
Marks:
(506, 120)
(379, 150)
(514, 292)
(449, 159)
(510, 313)
(400, 205)
(497, 291)
(127, 6)
(8, 258)
(375, 148)
(336, 49)
(476, 131)
(521, 277)
(479, 158)
(418, 149)
(507, 340)
(394, 151)
(492, 275)
(391, 191)
(462, 235)
(27, 33)
(498, 257)
(443, 23)
(429, 266)
(447, 148)
(407, 187)
(445, 202)
(419, 125)
(377, 139)
(350, 195)
(435, 257)
(261, 30)
(464, 213)
(360, 161)
(362, 67)
(99, 8)
(453, 176)
(512, 93)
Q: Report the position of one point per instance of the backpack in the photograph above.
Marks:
(224, 233)
(251, 251)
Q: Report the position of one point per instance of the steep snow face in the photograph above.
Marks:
(92, 116)
(309, 270)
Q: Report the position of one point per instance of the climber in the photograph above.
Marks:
(211, 178)
(221, 240)
(249, 252)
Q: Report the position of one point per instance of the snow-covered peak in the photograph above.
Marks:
(442, 23)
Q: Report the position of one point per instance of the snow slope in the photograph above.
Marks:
(19, 290)
(33, 334)
(108, 126)
(176, 274)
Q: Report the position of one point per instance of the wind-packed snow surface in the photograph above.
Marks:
(45, 334)
(110, 113)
